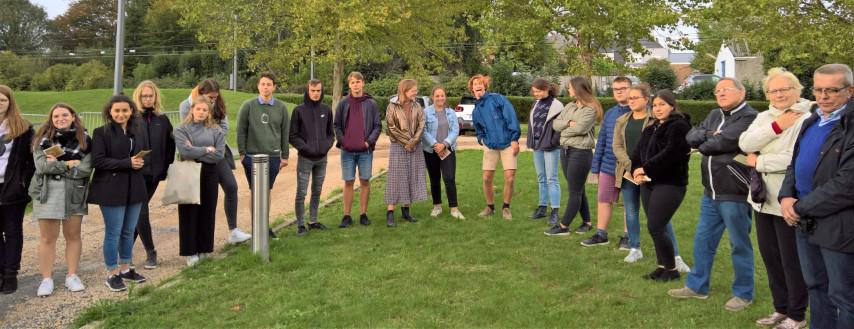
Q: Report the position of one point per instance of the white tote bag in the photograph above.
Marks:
(182, 183)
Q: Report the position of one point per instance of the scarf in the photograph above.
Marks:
(67, 139)
(541, 113)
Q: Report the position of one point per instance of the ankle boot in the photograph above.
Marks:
(389, 219)
(405, 214)
(10, 282)
(539, 213)
(554, 217)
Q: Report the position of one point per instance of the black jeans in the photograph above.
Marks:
(229, 187)
(660, 202)
(442, 170)
(779, 251)
(196, 222)
(11, 236)
(576, 165)
(143, 226)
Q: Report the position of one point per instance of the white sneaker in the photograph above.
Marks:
(436, 211)
(73, 283)
(788, 323)
(238, 236)
(45, 288)
(681, 266)
(192, 260)
(634, 255)
(457, 214)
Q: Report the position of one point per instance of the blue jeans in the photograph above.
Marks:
(119, 225)
(830, 283)
(350, 161)
(274, 163)
(715, 216)
(631, 203)
(547, 165)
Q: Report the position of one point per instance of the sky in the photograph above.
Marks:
(53, 7)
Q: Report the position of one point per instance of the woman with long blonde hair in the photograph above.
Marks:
(406, 182)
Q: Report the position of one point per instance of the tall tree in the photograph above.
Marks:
(86, 24)
(284, 34)
(22, 25)
(587, 26)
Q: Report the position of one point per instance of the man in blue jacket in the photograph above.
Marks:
(816, 197)
(498, 130)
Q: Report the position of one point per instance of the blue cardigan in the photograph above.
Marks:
(604, 160)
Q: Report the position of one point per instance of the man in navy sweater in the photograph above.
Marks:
(816, 196)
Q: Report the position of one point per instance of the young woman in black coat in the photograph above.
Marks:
(16, 171)
(660, 166)
(118, 186)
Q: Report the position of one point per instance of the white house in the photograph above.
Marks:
(735, 60)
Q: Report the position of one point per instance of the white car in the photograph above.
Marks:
(464, 110)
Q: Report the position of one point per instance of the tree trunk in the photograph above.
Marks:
(337, 85)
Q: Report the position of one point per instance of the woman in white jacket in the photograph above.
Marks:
(769, 143)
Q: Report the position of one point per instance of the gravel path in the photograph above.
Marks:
(24, 310)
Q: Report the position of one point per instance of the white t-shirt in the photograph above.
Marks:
(6, 148)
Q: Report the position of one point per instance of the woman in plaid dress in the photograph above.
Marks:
(406, 182)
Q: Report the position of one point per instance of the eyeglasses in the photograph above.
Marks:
(828, 91)
(724, 90)
(146, 96)
(779, 91)
(634, 98)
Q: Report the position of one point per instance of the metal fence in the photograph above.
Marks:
(92, 120)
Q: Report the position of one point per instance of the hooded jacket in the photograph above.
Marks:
(495, 121)
(370, 116)
(717, 139)
(311, 132)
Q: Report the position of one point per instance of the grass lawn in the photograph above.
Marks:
(439, 273)
(32, 102)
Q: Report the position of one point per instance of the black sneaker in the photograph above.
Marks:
(363, 219)
(654, 274)
(316, 226)
(539, 213)
(301, 231)
(624, 243)
(272, 234)
(666, 275)
(115, 283)
(557, 230)
(595, 240)
(131, 275)
(346, 221)
(583, 228)
(389, 219)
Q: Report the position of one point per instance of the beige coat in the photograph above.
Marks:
(581, 135)
(624, 161)
(775, 151)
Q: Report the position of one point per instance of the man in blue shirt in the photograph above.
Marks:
(816, 196)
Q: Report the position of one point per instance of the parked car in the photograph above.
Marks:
(696, 78)
(424, 101)
(464, 110)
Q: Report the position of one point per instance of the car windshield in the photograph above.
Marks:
(466, 100)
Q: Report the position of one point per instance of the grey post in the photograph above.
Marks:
(260, 205)
(120, 48)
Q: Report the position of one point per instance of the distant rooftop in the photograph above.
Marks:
(681, 58)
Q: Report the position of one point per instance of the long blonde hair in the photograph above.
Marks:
(16, 124)
(402, 87)
(209, 121)
(137, 96)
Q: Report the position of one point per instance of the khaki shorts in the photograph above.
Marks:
(491, 157)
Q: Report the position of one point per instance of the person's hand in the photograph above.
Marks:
(787, 207)
(241, 157)
(751, 159)
(593, 179)
(210, 149)
(571, 123)
(439, 147)
(716, 132)
(367, 146)
(514, 145)
(283, 164)
(638, 176)
(50, 158)
(188, 143)
(136, 163)
(787, 119)
(72, 163)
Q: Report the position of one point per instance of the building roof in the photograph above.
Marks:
(681, 58)
(739, 49)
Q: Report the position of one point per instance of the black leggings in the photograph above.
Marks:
(779, 252)
(576, 165)
(442, 170)
(660, 202)
(143, 226)
(11, 236)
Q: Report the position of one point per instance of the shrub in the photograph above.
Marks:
(144, 72)
(658, 74)
(90, 75)
(17, 71)
(703, 90)
(53, 78)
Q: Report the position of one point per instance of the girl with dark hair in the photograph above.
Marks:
(118, 186)
(576, 124)
(660, 167)
(225, 168)
(158, 135)
(16, 171)
(545, 141)
(59, 188)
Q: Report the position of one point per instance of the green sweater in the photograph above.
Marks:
(263, 129)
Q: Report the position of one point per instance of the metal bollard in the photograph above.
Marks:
(260, 205)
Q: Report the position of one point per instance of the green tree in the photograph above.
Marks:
(286, 33)
(658, 74)
(585, 27)
(86, 24)
(23, 25)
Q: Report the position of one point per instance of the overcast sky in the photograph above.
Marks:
(53, 7)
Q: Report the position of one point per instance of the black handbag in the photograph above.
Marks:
(757, 187)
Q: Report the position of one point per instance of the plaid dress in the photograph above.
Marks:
(406, 182)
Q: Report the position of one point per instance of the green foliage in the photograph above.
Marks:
(658, 74)
(54, 78)
(703, 90)
(17, 71)
(456, 85)
(86, 24)
(23, 26)
(144, 72)
(91, 75)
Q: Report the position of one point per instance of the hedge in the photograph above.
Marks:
(696, 109)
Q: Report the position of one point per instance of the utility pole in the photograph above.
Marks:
(120, 48)
(312, 62)
(233, 81)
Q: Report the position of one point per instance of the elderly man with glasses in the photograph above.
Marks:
(817, 196)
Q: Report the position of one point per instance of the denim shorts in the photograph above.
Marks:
(351, 160)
